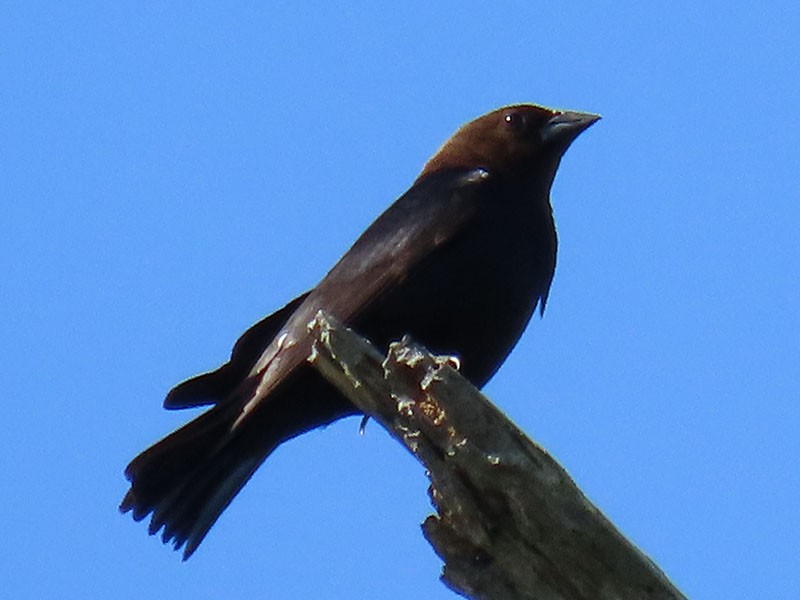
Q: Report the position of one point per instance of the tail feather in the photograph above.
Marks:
(188, 478)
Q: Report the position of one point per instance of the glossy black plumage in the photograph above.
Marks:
(460, 262)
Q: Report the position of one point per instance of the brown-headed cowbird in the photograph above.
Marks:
(460, 262)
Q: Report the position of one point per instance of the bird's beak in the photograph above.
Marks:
(565, 126)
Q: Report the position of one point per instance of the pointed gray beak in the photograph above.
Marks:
(565, 126)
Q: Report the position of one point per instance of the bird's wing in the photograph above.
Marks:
(434, 211)
(212, 387)
(430, 214)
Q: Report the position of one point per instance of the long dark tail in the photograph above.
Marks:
(187, 479)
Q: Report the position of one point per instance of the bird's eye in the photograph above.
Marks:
(516, 122)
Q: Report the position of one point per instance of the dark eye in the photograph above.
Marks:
(516, 122)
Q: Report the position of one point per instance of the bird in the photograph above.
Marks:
(460, 262)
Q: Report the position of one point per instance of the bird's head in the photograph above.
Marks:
(518, 141)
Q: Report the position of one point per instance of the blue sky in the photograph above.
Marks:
(171, 174)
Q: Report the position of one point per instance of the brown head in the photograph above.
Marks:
(518, 141)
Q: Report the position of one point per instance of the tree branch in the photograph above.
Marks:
(511, 523)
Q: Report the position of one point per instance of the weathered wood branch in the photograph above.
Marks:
(511, 523)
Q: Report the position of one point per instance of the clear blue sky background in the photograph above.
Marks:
(172, 172)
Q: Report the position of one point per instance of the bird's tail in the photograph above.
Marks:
(188, 478)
